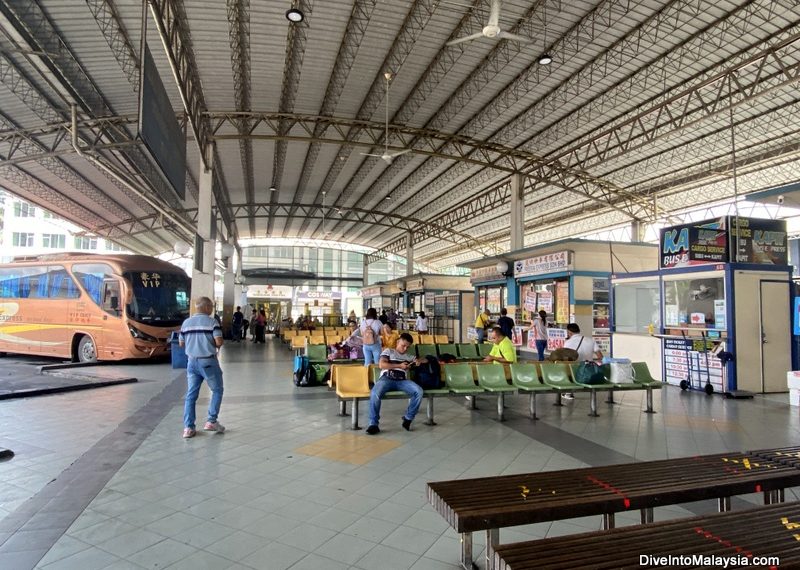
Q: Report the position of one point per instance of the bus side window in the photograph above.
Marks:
(111, 296)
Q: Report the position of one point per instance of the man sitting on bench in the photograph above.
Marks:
(394, 363)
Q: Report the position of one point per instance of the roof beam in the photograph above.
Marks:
(345, 58)
(239, 38)
(293, 66)
(108, 20)
(417, 18)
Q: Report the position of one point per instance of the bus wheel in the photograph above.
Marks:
(86, 350)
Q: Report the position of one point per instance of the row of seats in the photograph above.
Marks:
(352, 382)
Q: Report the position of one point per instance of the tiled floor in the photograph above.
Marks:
(102, 479)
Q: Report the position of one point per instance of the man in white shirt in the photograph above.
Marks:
(587, 348)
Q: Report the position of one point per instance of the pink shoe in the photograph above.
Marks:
(189, 432)
(216, 426)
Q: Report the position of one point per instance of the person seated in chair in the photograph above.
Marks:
(394, 363)
(587, 348)
(503, 351)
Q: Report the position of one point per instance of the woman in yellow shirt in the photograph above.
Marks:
(389, 337)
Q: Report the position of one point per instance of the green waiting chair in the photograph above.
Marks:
(525, 377)
(492, 378)
(459, 380)
(424, 350)
(484, 349)
(447, 349)
(593, 388)
(468, 351)
(557, 376)
(642, 377)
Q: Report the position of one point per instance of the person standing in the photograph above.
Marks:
(481, 324)
(201, 337)
(261, 324)
(384, 318)
(236, 324)
(421, 325)
(371, 336)
(539, 332)
(394, 364)
(506, 323)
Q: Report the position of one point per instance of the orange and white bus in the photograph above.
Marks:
(90, 307)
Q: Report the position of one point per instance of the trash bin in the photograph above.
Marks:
(179, 359)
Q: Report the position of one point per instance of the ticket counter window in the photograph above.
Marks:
(697, 302)
(492, 298)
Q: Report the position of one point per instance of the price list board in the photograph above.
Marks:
(685, 359)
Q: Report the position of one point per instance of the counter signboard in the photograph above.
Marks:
(694, 244)
(542, 264)
(369, 292)
(759, 241)
(415, 285)
(555, 339)
(485, 274)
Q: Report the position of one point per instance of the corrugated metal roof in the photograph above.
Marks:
(613, 59)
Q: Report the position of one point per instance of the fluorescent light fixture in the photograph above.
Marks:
(545, 59)
(294, 15)
(273, 189)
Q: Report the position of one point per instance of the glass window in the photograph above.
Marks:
(637, 305)
(23, 282)
(60, 284)
(91, 277)
(159, 298)
(698, 302)
(22, 239)
(55, 241)
(24, 210)
(85, 242)
(111, 246)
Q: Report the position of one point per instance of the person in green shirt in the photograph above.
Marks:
(503, 351)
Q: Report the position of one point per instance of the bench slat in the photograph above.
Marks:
(761, 531)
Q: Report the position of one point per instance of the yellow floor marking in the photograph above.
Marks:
(355, 448)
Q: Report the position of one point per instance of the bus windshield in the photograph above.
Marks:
(158, 298)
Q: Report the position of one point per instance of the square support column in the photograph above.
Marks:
(517, 212)
(203, 272)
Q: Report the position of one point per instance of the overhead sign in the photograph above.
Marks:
(542, 264)
(369, 292)
(723, 240)
(694, 244)
(318, 295)
(415, 284)
(484, 274)
(760, 241)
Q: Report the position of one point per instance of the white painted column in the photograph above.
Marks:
(228, 296)
(365, 273)
(638, 229)
(517, 212)
(203, 270)
(409, 254)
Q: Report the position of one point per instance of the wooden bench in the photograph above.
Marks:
(770, 531)
(490, 503)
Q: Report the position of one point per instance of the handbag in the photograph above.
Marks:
(589, 373)
(621, 373)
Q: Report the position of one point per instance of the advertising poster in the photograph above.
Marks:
(545, 302)
(719, 314)
(472, 333)
(555, 339)
(760, 241)
(694, 244)
(562, 302)
(604, 344)
(516, 336)
(531, 339)
(530, 301)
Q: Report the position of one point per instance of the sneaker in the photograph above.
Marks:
(568, 396)
(189, 432)
(372, 430)
(215, 426)
(406, 424)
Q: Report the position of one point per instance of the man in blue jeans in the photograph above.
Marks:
(395, 363)
(201, 336)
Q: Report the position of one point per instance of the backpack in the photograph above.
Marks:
(369, 334)
(429, 375)
(447, 358)
(304, 374)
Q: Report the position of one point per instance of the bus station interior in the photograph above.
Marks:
(629, 166)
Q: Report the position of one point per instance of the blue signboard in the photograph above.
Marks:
(797, 316)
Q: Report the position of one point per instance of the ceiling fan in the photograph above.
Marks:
(387, 156)
(491, 29)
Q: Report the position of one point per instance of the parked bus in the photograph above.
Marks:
(90, 307)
